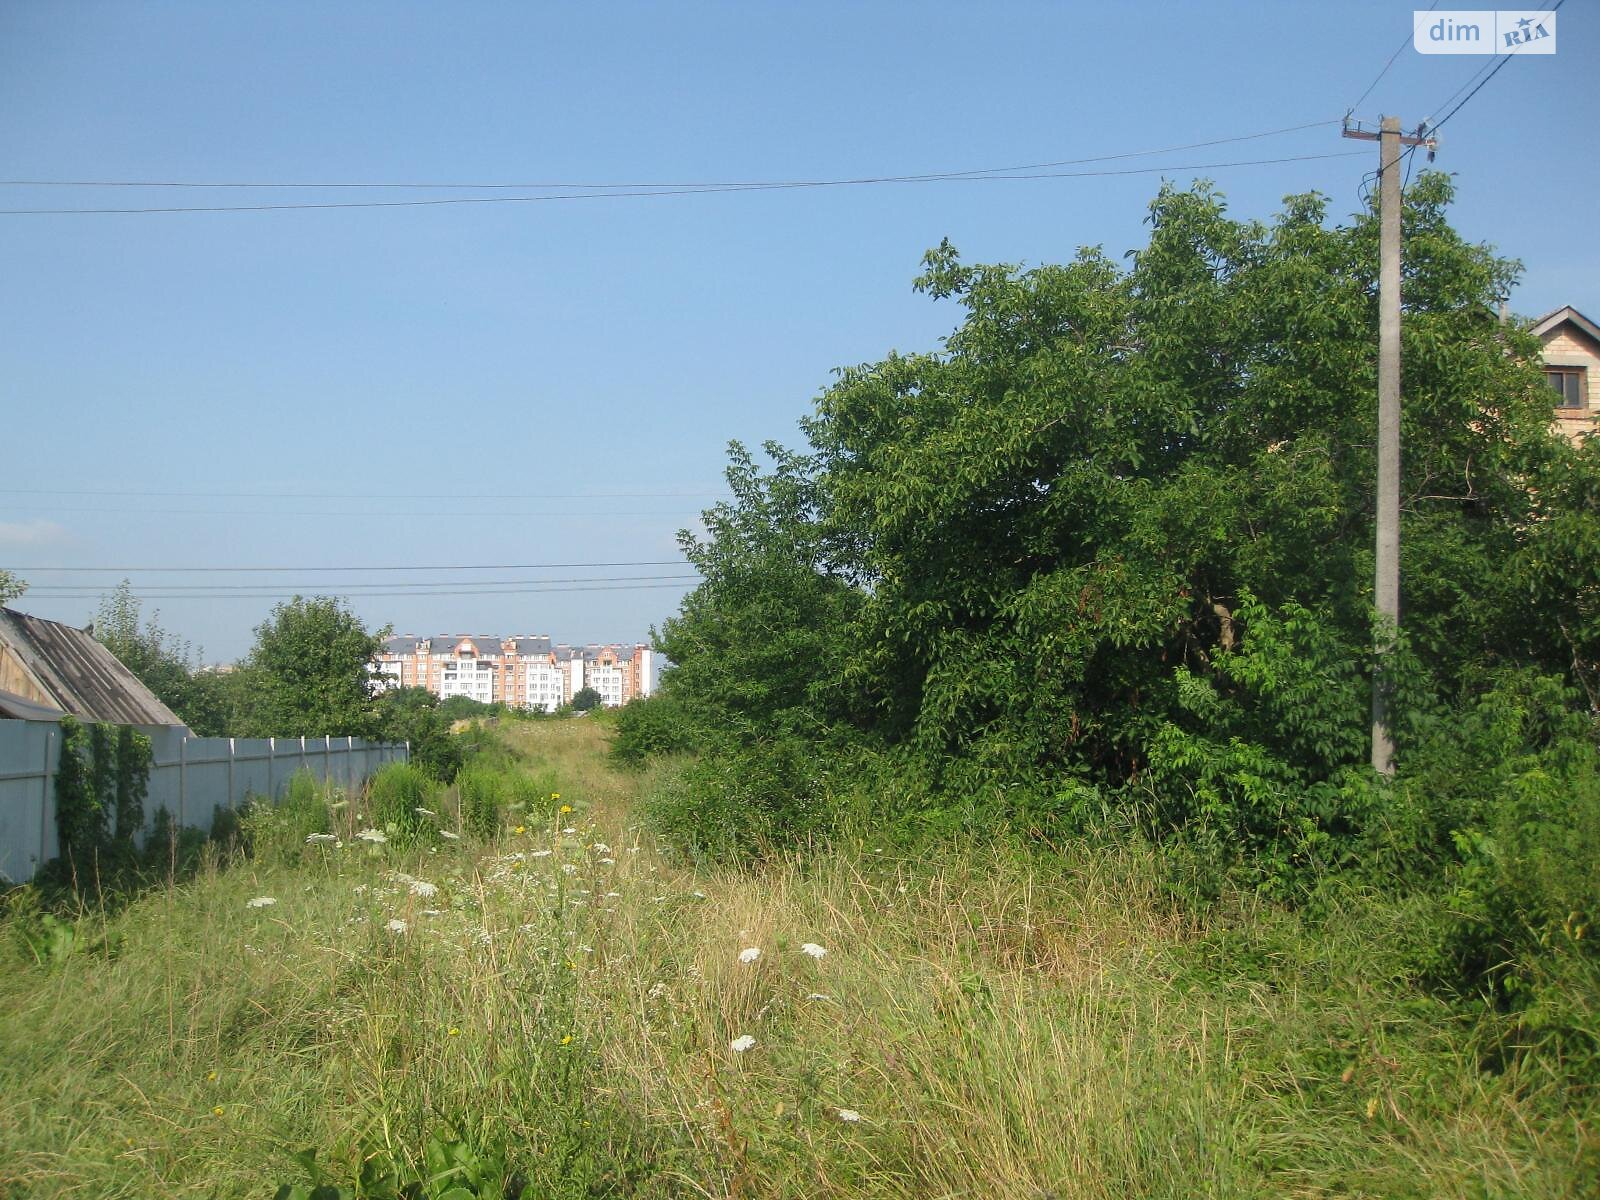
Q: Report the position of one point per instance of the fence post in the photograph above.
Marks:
(272, 751)
(183, 776)
(233, 801)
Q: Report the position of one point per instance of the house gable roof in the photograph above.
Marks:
(1566, 314)
(79, 675)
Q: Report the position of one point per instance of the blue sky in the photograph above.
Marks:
(368, 372)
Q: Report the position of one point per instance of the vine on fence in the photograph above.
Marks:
(103, 777)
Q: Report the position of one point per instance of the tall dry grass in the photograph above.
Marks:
(984, 1023)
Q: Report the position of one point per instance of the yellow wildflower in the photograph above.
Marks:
(567, 1040)
(217, 1111)
(453, 1032)
(566, 808)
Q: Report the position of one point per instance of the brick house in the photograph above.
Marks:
(1572, 365)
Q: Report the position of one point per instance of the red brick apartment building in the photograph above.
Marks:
(519, 672)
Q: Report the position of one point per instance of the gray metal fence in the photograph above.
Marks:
(189, 777)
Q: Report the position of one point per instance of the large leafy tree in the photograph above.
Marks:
(1119, 528)
(312, 671)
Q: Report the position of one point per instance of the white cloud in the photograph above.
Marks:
(31, 533)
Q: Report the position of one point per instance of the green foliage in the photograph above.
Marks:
(1113, 540)
(394, 796)
(102, 778)
(164, 663)
(415, 715)
(131, 780)
(451, 1170)
(11, 587)
(652, 726)
(484, 796)
(277, 831)
(461, 708)
(80, 808)
(312, 666)
(585, 699)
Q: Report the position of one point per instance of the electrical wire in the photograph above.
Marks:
(701, 191)
(422, 588)
(48, 594)
(1397, 52)
(1434, 126)
(343, 513)
(707, 184)
(291, 495)
(668, 562)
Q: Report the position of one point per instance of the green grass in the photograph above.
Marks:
(1003, 1025)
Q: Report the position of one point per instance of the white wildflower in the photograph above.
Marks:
(421, 887)
(819, 996)
(698, 895)
(569, 829)
(742, 1043)
(613, 895)
(376, 836)
(600, 848)
(445, 833)
(814, 950)
(657, 990)
(433, 912)
(848, 1114)
(261, 902)
(396, 925)
(569, 868)
(608, 862)
(539, 853)
(426, 812)
(321, 839)
(749, 954)
(360, 889)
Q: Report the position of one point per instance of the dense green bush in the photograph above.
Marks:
(396, 796)
(484, 795)
(652, 726)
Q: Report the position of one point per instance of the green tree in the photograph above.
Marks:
(10, 587)
(585, 699)
(164, 663)
(1117, 532)
(312, 672)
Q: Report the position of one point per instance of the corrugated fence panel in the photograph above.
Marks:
(190, 777)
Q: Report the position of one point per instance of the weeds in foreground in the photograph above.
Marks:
(561, 1010)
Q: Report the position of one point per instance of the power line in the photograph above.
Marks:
(290, 495)
(1434, 126)
(1397, 51)
(48, 594)
(696, 191)
(668, 562)
(703, 184)
(325, 512)
(421, 588)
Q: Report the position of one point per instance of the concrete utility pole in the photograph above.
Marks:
(1386, 583)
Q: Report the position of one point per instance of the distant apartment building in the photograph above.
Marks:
(519, 672)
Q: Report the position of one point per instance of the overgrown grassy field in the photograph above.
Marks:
(983, 1023)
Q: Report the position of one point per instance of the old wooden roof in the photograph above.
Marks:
(78, 674)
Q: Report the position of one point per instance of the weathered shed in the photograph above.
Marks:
(63, 668)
